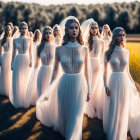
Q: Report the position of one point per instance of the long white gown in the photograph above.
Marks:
(6, 73)
(21, 70)
(122, 108)
(45, 72)
(32, 92)
(94, 108)
(67, 94)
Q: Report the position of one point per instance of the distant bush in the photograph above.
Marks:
(126, 15)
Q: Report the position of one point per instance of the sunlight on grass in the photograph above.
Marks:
(16, 116)
(35, 136)
(24, 119)
(5, 101)
(134, 60)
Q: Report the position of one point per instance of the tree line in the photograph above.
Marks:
(126, 15)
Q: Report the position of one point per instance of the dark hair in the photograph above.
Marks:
(113, 42)
(6, 34)
(36, 37)
(41, 46)
(90, 36)
(66, 36)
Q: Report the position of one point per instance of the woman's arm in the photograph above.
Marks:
(88, 72)
(30, 53)
(13, 54)
(56, 65)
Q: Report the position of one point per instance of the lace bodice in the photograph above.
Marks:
(58, 41)
(7, 47)
(47, 54)
(107, 40)
(119, 62)
(23, 45)
(119, 59)
(98, 48)
(73, 57)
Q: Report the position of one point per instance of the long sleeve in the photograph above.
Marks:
(88, 72)
(56, 66)
(14, 52)
(30, 51)
(105, 71)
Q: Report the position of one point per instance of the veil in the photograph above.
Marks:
(85, 28)
(63, 22)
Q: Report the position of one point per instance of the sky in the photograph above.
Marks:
(55, 2)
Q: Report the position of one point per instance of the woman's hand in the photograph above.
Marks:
(30, 65)
(107, 91)
(88, 98)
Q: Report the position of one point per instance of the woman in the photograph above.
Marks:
(121, 108)
(62, 105)
(106, 36)
(5, 62)
(57, 35)
(21, 66)
(32, 91)
(45, 52)
(36, 42)
(96, 48)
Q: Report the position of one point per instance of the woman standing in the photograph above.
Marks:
(32, 91)
(57, 35)
(64, 109)
(5, 62)
(21, 66)
(106, 36)
(45, 52)
(96, 48)
(121, 108)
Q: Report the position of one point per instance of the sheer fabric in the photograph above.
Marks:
(6, 73)
(62, 105)
(107, 40)
(94, 108)
(121, 109)
(41, 75)
(58, 41)
(21, 70)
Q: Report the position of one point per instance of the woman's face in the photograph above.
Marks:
(48, 35)
(8, 30)
(73, 30)
(24, 30)
(121, 38)
(106, 29)
(57, 32)
(94, 29)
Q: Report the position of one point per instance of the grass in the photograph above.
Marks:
(22, 124)
(134, 61)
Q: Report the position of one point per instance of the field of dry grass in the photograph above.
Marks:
(21, 124)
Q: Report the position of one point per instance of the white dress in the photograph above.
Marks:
(107, 40)
(45, 72)
(122, 108)
(58, 41)
(6, 73)
(21, 70)
(94, 108)
(67, 94)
